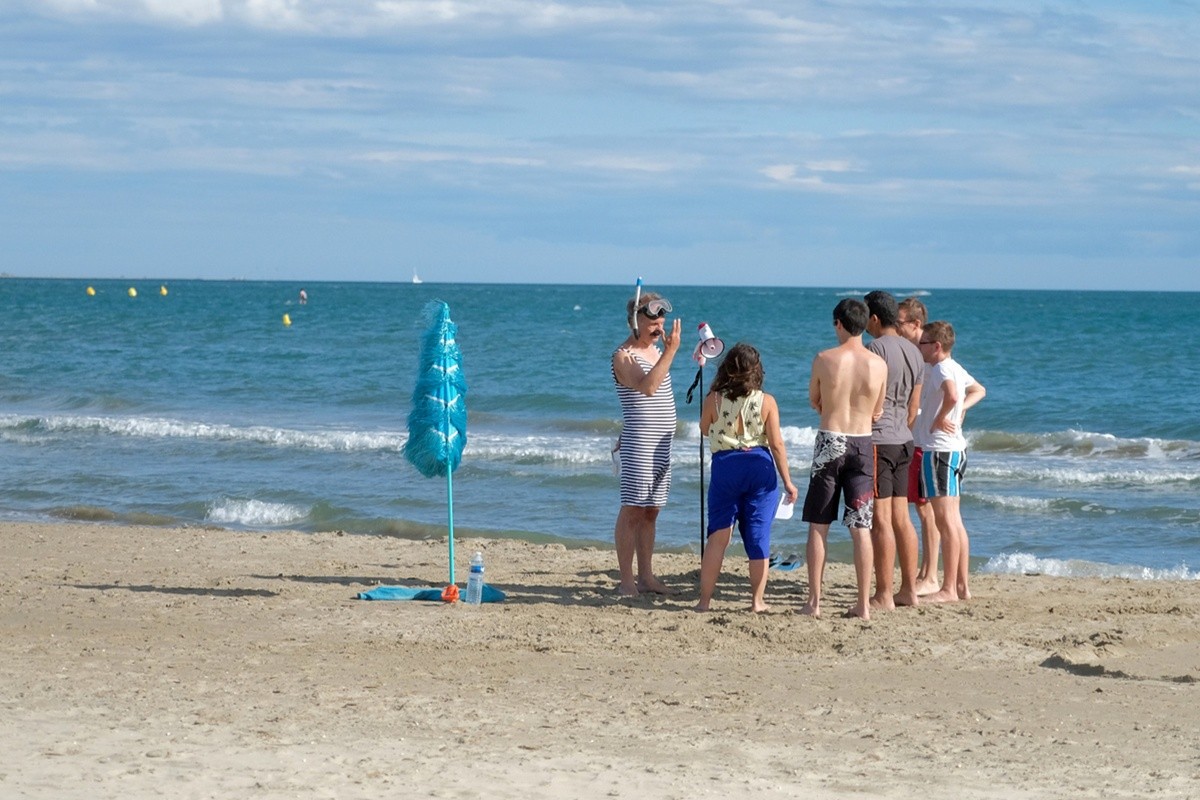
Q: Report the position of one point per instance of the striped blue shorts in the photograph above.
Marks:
(942, 472)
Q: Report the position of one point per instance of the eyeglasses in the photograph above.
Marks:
(656, 309)
(927, 341)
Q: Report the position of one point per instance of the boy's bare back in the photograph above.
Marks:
(847, 388)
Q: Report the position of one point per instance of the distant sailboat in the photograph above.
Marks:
(416, 277)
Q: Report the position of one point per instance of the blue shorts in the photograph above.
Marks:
(744, 489)
(942, 472)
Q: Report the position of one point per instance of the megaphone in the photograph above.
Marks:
(709, 345)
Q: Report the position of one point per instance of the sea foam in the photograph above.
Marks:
(254, 513)
(1027, 564)
(164, 428)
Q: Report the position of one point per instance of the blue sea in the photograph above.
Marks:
(199, 406)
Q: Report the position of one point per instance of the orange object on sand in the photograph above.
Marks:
(450, 594)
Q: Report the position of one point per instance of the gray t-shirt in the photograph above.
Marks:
(905, 368)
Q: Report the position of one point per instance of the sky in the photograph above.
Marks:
(981, 144)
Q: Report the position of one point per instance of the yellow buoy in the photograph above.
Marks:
(287, 320)
(132, 292)
(91, 292)
(162, 290)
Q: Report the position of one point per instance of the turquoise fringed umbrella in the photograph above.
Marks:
(437, 424)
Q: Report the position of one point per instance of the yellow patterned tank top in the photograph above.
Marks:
(723, 435)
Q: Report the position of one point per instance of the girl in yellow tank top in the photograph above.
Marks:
(749, 462)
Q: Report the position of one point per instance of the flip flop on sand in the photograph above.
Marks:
(787, 564)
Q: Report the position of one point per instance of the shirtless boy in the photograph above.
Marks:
(846, 389)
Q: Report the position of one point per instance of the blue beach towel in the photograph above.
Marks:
(490, 594)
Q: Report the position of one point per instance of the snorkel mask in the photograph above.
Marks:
(657, 308)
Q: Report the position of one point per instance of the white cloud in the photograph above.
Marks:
(831, 166)
(787, 175)
(276, 14)
(446, 156)
(780, 172)
(625, 163)
(188, 12)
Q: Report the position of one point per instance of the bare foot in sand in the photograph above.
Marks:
(927, 587)
(883, 603)
(653, 585)
(964, 593)
(903, 598)
(859, 611)
(759, 608)
(627, 591)
(701, 607)
(811, 610)
(942, 597)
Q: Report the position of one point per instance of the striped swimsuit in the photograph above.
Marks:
(646, 437)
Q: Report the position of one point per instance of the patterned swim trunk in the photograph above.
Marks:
(841, 464)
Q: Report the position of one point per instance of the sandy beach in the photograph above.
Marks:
(206, 663)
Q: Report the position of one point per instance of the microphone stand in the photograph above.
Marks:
(699, 381)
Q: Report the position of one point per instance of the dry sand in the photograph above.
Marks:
(181, 663)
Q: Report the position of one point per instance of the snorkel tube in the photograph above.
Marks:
(637, 299)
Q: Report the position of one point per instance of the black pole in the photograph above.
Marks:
(699, 381)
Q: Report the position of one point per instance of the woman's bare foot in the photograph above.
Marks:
(701, 607)
(811, 610)
(627, 591)
(759, 608)
(942, 597)
(903, 598)
(653, 585)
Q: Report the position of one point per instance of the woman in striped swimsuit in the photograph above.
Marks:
(642, 378)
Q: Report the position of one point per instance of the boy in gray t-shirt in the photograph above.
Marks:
(892, 532)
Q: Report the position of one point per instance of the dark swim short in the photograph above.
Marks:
(840, 464)
(892, 462)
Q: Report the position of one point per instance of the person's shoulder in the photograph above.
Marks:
(961, 371)
(945, 370)
(908, 347)
(869, 355)
(878, 365)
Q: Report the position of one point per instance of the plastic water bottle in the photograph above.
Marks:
(475, 580)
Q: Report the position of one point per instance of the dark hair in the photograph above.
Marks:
(852, 314)
(740, 372)
(881, 304)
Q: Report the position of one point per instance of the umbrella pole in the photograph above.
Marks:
(450, 516)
